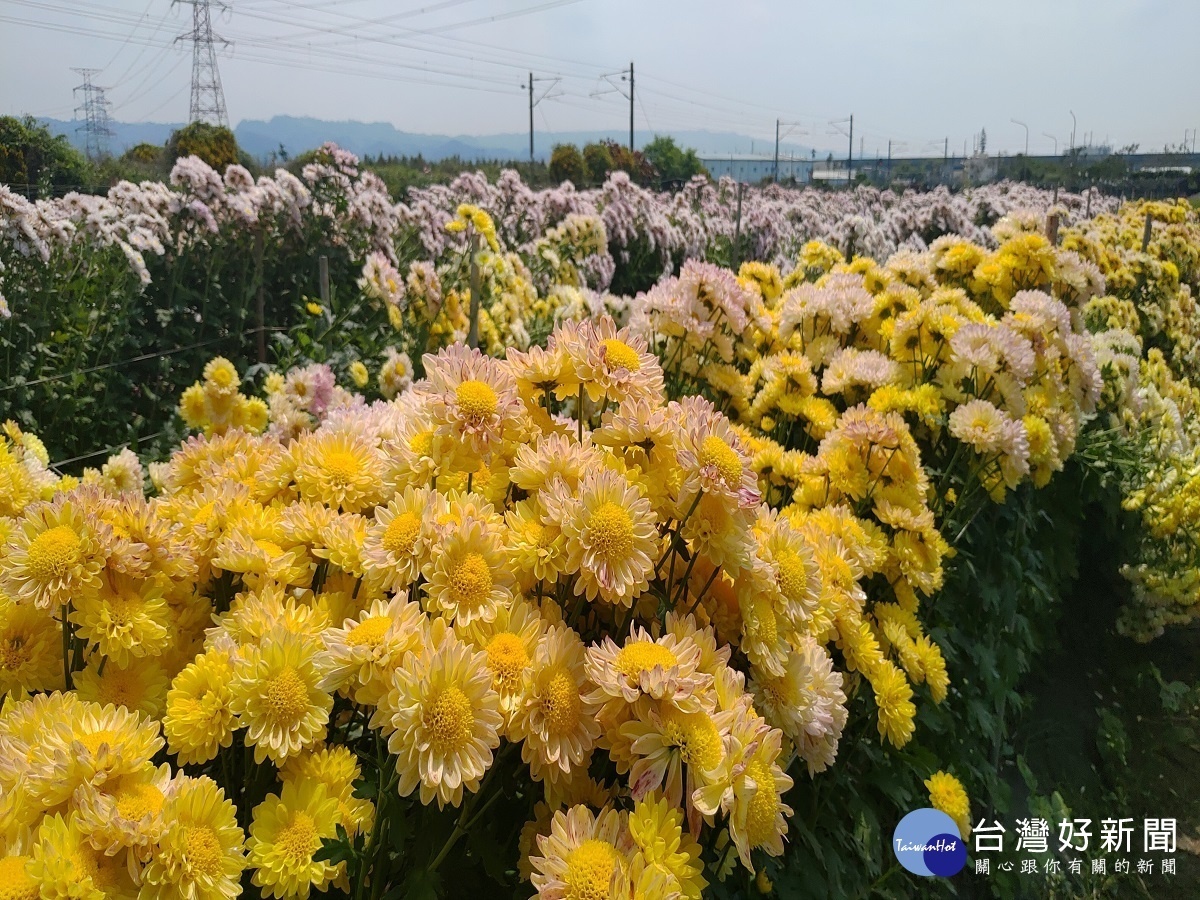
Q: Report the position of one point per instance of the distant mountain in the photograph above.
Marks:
(297, 134)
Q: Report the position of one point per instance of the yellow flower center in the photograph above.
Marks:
(637, 657)
(370, 631)
(793, 575)
(762, 623)
(471, 580)
(764, 805)
(202, 850)
(342, 467)
(507, 659)
(123, 607)
(610, 531)
(590, 870)
(421, 442)
(269, 548)
(285, 697)
(401, 534)
(15, 652)
(715, 452)
(561, 702)
(476, 399)
(54, 552)
(135, 801)
(96, 739)
(120, 688)
(696, 737)
(298, 839)
(14, 883)
(619, 355)
(450, 720)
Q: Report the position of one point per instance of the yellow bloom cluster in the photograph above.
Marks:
(216, 404)
(1147, 337)
(537, 552)
(878, 402)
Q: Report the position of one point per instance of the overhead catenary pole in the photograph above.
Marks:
(630, 107)
(889, 168)
(850, 157)
(531, 118)
(776, 176)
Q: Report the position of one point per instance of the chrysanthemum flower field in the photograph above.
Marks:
(496, 577)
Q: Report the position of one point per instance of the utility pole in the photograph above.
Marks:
(95, 115)
(631, 107)
(777, 149)
(1073, 123)
(534, 102)
(850, 157)
(889, 169)
(208, 99)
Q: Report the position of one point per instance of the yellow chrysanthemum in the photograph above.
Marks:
(398, 541)
(666, 669)
(444, 717)
(65, 866)
(140, 686)
(510, 642)
(671, 855)
(584, 856)
(361, 656)
(611, 537)
(127, 618)
(125, 812)
(337, 768)
(199, 856)
(199, 719)
(947, 794)
(286, 833)
(468, 574)
(30, 648)
(277, 695)
(91, 746)
(893, 696)
(55, 555)
(554, 719)
(339, 468)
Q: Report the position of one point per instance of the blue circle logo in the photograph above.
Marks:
(926, 842)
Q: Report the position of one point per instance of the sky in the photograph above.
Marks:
(917, 72)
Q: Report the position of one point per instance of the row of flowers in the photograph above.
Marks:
(663, 545)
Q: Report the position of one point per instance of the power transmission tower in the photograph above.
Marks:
(208, 100)
(95, 115)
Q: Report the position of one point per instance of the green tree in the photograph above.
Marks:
(215, 144)
(598, 160)
(566, 164)
(37, 163)
(672, 162)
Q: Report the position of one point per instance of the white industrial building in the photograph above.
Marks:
(753, 168)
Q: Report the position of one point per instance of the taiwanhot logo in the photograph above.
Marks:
(927, 842)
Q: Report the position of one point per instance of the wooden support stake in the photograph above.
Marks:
(260, 301)
(323, 273)
(735, 254)
(473, 328)
(1052, 229)
(1146, 232)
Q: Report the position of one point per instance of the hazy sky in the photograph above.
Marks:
(913, 71)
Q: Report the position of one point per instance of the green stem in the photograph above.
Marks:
(66, 641)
